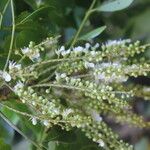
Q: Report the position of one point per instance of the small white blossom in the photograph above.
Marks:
(101, 143)
(14, 65)
(78, 49)
(64, 53)
(56, 111)
(146, 89)
(34, 121)
(25, 50)
(63, 75)
(89, 65)
(87, 45)
(93, 53)
(111, 78)
(46, 123)
(131, 68)
(23, 100)
(109, 64)
(33, 103)
(6, 76)
(57, 76)
(62, 48)
(96, 116)
(35, 56)
(101, 76)
(18, 86)
(116, 42)
(96, 45)
(67, 112)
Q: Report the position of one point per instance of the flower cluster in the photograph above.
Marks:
(5, 76)
(33, 50)
(94, 77)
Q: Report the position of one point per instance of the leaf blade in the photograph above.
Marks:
(116, 5)
(92, 34)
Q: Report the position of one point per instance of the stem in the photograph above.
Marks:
(59, 86)
(29, 16)
(88, 13)
(1, 14)
(146, 45)
(49, 69)
(22, 58)
(43, 136)
(12, 35)
(18, 112)
(18, 130)
(56, 60)
(75, 88)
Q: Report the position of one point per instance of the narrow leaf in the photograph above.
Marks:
(93, 33)
(114, 5)
(51, 145)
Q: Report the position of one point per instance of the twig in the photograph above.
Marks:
(18, 130)
(12, 35)
(88, 13)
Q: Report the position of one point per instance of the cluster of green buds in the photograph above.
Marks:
(94, 77)
(33, 50)
(50, 112)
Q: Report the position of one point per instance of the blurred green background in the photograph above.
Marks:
(63, 17)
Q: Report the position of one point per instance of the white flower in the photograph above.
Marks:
(96, 45)
(101, 143)
(109, 64)
(89, 65)
(78, 49)
(96, 116)
(64, 53)
(62, 48)
(116, 42)
(56, 111)
(57, 76)
(146, 89)
(87, 45)
(35, 56)
(25, 50)
(63, 75)
(6, 76)
(101, 76)
(67, 112)
(46, 123)
(33, 103)
(93, 53)
(13, 65)
(111, 78)
(104, 65)
(18, 86)
(34, 121)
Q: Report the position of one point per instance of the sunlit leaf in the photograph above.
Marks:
(114, 5)
(3, 145)
(93, 34)
(51, 145)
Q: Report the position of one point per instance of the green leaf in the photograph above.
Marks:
(143, 144)
(51, 145)
(93, 33)
(3, 145)
(115, 5)
(11, 115)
